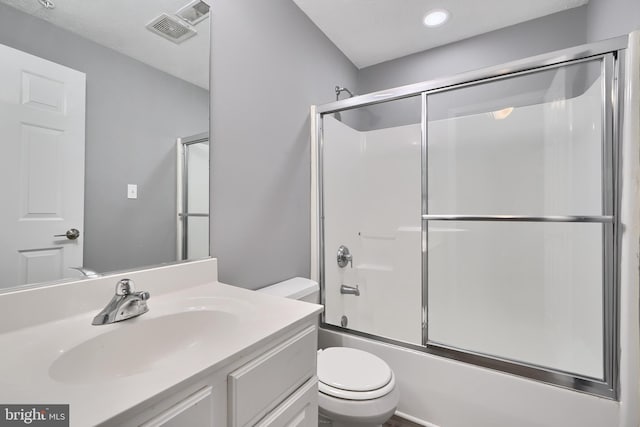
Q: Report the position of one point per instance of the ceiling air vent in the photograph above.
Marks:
(172, 28)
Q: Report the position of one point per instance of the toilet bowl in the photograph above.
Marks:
(355, 388)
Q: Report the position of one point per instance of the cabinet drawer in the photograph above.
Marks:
(259, 386)
(299, 410)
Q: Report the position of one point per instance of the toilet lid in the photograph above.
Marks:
(352, 370)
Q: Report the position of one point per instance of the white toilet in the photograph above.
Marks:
(355, 388)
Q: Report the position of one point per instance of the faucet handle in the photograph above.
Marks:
(125, 287)
(344, 257)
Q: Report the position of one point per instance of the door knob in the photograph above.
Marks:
(71, 234)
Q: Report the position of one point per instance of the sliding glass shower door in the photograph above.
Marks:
(476, 218)
(371, 191)
(193, 197)
(520, 218)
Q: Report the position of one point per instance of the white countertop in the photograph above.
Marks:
(31, 373)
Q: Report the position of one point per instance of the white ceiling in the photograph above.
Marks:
(366, 31)
(120, 25)
(372, 31)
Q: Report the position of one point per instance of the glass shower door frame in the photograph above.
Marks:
(184, 213)
(606, 386)
(611, 52)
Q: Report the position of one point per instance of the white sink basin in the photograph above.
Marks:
(140, 344)
(196, 327)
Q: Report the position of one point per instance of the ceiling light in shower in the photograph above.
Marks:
(501, 114)
(47, 4)
(436, 17)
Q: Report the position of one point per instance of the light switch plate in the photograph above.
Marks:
(132, 191)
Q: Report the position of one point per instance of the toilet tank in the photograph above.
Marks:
(297, 288)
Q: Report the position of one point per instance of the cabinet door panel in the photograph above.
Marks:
(259, 386)
(299, 410)
(194, 411)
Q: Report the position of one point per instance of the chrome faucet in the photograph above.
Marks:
(125, 304)
(86, 272)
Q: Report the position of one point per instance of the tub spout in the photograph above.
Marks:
(350, 290)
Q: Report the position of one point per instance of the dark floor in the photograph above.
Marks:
(396, 421)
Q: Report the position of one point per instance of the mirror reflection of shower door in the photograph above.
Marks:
(193, 197)
(371, 202)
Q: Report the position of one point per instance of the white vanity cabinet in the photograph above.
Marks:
(299, 410)
(260, 387)
(206, 354)
(275, 386)
(194, 411)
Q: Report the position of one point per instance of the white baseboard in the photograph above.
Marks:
(415, 420)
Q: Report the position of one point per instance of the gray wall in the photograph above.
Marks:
(269, 64)
(598, 20)
(611, 18)
(557, 31)
(134, 114)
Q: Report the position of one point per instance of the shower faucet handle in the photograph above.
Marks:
(344, 257)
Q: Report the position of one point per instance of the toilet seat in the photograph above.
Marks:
(351, 374)
(357, 395)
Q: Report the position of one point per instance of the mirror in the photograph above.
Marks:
(97, 104)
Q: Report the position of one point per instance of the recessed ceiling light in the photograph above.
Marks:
(436, 17)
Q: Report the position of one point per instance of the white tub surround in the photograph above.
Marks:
(197, 331)
(372, 206)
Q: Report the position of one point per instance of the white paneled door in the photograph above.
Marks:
(42, 134)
